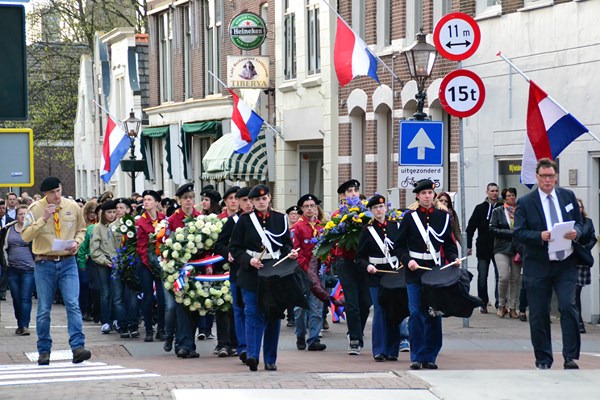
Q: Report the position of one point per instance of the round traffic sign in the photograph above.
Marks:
(462, 93)
(456, 36)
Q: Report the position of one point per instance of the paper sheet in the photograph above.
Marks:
(62, 245)
(557, 241)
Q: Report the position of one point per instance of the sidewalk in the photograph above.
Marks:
(491, 356)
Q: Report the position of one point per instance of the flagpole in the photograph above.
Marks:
(499, 54)
(368, 49)
(277, 133)
(107, 113)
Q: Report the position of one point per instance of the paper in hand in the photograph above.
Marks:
(557, 240)
(62, 245)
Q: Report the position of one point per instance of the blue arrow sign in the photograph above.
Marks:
(421, 143)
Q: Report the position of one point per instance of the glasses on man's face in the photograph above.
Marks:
(547, 176)
(309, 206)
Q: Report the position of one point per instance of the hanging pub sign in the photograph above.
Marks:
(247, 31)
(248, 72)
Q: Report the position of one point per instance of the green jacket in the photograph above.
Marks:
(84, 249)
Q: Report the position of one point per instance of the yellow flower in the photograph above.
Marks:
(329, 225)
(356, 219)
(361, 215)
(344, 218)
(353, 209)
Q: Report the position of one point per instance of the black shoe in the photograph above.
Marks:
(379, 357)
(300, 343)
(391, 358)
(81, 354)
(316, 346)
(232, 352)
(415, 365)
(149, 337)
(160, 336)
(44, 359)
(125, 334)
(542, 366)
(185, 353)
(291, 324)
(201, 336)
(252, 363)
(429, 365)
(223, 352)
(243, 357)
(570, 364)
(582, 328)
(168, 346)
(270, 367)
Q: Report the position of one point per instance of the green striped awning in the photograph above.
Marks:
(155, 132)
(220, 161)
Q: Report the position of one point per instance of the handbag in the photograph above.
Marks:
(582, 255)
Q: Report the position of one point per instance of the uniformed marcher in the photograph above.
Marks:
(376, 253)
(49, 219)
(423, 232)
(258, 236)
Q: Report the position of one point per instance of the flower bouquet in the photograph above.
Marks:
(343, 229)
(126, 259)
(202, 293)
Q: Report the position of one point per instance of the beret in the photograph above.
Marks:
(258, 191)
(213, 195)
(108, 205)
(243, 192)
(307, 197)
(375, 200)
(152, 193)
(50, 183)
(423, 184)
(292, 208)
(231, 190)
(347, 185)
(183, 189)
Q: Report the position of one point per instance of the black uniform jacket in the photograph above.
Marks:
(410, 239)
(244, 237)
(368, 247)
(222, 245)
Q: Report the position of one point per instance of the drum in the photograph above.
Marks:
(447, 290)
(281, 287)
(393, 297)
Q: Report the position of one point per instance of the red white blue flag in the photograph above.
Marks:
(116, 144)
(351, 55)
(550, 129)
(245, 126)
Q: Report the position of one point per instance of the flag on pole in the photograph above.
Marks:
(246, 125)
(550, 129)
(116, 144)
(351, 55)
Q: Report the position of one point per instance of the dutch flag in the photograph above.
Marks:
(550, 129)
(246, 125)
(116, 144)
(351, 55)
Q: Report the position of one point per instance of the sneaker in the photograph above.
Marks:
(25, 332)
(483, 310)
(201, 336)
(316, 346)
(115, 326)
(44, 359)
(125, 334)
(81, 354)
(106, 328)
(223, 352)
(149, 337)
(216, 350)
(210, 336)
(354, 348)
(232, 352)
(134, 332)
(300, 343)
(404, 345)
(19, 331)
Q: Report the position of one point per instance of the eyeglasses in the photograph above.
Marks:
(310, 206)
(547, 176)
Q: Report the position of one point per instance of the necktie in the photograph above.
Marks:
(554, 220)
(56, 223)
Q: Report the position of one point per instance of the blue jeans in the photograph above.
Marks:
(21, 289)
(257, 324)
(148, 282)
(104, 282)
(314, 317)
(170, 313)
(125, 304)
(239, 318)
(48, 276)
(425, 332)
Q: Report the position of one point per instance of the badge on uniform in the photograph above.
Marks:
(29, 219)
(569, 207)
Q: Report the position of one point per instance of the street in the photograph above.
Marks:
(491, 359)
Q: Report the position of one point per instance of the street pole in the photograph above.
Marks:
(132, 158)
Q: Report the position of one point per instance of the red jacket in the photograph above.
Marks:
(177, 218)
(303, 233)
(145, 226)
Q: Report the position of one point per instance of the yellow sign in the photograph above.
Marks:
(248, 72)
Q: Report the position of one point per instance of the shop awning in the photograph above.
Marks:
(155, 132)
(222, 163)
(195, 128)
(148, 134)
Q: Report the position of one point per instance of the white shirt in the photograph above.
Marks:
(546, 207)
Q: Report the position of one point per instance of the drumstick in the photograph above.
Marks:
(280, 261)
(262, 254)
(387, 272)
(452, 263)
(421, 267)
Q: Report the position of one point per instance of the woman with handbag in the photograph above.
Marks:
(588, 241)
(501, 226)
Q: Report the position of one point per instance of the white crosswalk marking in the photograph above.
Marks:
(27, 374)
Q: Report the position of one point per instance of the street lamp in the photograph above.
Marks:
(132, 124)
(420, 58)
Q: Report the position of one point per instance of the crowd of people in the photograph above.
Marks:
(63, 250)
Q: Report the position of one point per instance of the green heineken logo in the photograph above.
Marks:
(247, 31)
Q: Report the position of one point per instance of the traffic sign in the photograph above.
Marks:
(462, 93)
(456, 36)
(421, 143)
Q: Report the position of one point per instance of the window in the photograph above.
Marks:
(384, 23)
(488, 7)
(441, 8)
(312, 33)
(213, 22)
(264, 14)
(289, 37)
(414, 18)
(358, 17)
(187, 52)
(165, 37)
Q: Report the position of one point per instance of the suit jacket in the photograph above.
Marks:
(530, 222)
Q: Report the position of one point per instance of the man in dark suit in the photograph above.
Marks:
(543, 271)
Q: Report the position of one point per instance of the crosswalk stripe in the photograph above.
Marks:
(67, 372)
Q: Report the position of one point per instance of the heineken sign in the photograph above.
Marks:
(247, 31)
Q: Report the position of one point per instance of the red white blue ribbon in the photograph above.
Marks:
(212, 278)
(202, 262)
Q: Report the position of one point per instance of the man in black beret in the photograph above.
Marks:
(349, 188)
(258, 191)
(153, 193)
(231, 202)
(183, 189)
(423, 233)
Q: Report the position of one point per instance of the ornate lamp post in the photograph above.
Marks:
(133, 127)
(420, 58)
